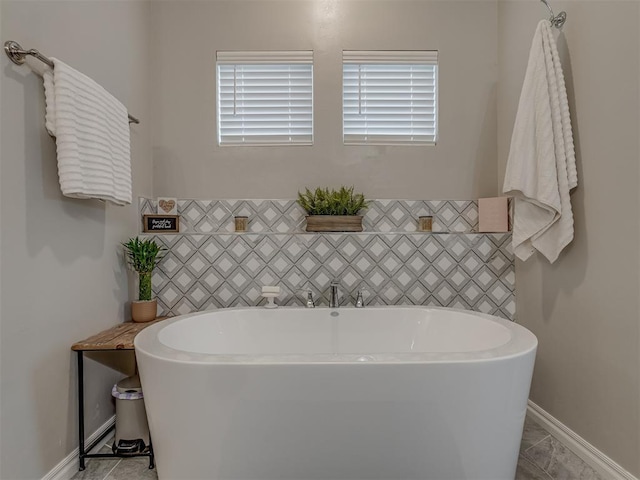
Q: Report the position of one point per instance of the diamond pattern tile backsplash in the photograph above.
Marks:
(208, 266)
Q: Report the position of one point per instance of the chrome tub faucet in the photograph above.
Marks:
(334, 301)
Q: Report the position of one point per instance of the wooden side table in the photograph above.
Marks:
(115, 338)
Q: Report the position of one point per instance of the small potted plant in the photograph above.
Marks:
(143, 256)
(333, 210)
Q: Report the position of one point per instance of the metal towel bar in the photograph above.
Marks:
(17, 55)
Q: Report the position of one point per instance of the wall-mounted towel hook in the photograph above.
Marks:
(556, 20)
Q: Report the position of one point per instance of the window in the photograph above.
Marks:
(265, 98)
(389, 97)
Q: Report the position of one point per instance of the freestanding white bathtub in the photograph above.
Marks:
(315, 394)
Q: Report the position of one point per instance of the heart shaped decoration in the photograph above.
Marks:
(167, 205)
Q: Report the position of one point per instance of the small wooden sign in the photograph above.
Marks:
(161, 223)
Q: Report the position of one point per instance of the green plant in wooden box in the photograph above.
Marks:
(332, 210)
(143, 256)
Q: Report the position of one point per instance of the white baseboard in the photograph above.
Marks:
(68, 467)
(597, 460)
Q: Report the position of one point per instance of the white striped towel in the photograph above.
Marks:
(92, 136)
(541, 168)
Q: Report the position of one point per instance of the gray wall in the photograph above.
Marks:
(62, 278)
(584, 309)
(188, 163)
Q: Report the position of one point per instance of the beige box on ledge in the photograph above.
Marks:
(493, 214)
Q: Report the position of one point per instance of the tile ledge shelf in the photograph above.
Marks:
(395, 232)
(286, 216)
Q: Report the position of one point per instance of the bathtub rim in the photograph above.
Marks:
(522, 343)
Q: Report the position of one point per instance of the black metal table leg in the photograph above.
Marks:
(81, 450)
(152, 462)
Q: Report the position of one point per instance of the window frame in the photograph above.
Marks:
(245, 58)
(392, 57)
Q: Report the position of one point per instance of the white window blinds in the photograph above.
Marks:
(390, 97)
(265, 98)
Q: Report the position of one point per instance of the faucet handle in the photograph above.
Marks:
(360, 297)
(310, 303)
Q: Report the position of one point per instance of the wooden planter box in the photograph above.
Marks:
(334, 223)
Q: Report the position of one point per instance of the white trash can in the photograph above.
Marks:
(132, 429)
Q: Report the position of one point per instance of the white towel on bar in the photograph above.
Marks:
(92, 136)
(541, 168)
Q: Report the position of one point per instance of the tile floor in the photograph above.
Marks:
(542, 457)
